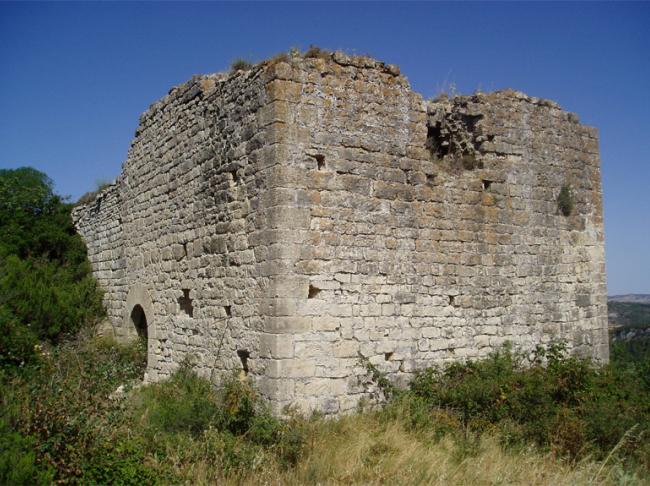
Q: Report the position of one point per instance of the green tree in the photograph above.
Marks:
(46, 287)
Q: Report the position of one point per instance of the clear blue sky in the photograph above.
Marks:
(74, 78)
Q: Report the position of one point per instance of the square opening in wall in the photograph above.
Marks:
(313, 292)
(320, 161)
(243, 357)
(185, 303)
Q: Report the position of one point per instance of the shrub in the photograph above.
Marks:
(232, 418)
(87, 197)
(184, 403)
(317, 52)
(119, 463)
(45, 278)
(49, 299)
(62, 401)
(17, 342)
(241, 64)
(18, 464)
(553, 400)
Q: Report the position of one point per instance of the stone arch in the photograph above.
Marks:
(138, 319)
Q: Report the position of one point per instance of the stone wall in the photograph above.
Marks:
(100, 225)
(194, 210)
(318, 211)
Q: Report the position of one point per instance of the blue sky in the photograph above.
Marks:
(74, 77)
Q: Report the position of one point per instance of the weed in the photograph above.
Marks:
(241, 64)
(317, 52)
(565, 201)
(379, 378)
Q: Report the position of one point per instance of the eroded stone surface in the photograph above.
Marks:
(302, 214)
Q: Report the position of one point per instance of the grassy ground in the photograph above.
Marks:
(554, 420)
(366, 449)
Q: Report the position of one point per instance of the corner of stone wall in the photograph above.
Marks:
(99, 222)
(285, 215)
(533, 150)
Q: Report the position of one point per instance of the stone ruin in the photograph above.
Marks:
(295, 218)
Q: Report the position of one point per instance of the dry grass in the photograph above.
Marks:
(363, 449)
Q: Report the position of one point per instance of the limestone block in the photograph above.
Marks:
(276, 346)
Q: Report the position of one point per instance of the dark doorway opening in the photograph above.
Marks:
(139, 320)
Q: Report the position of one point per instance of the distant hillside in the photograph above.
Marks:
(635, 298)
(628, 314)
(628, 320)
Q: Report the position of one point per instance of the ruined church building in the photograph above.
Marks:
(288, 219)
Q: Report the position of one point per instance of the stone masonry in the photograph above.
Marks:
(289, 219)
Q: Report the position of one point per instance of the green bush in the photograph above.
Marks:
(184, 403)
(237, 420)
(554, 400)
(18, 464)
(45, 279)
(62, 401)
(119, 463)
(17, 341)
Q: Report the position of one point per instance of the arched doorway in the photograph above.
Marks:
(139, 324)
(139, 321)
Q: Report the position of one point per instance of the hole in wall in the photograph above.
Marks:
(388, 356)
(185, 302)
(139, 321)
(431, 179)
(235, 176)
(313, 292)
(320, 161)
(228, 310)
(436, 145)
(243, 357)
(451, 299)
(486, 184)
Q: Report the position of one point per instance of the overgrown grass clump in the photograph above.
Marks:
(241, 64)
